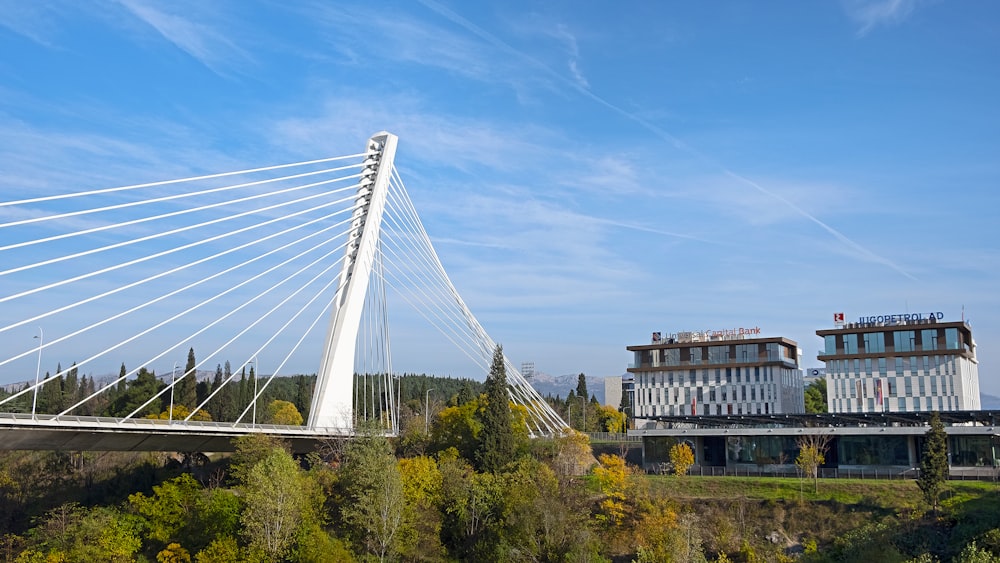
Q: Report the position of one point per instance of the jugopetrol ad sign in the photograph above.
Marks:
(902, 317)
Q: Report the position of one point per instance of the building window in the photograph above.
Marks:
(850, 343)
(951, 338)
(904, 340)
(929, 339)
(830, 344)
(874, 342)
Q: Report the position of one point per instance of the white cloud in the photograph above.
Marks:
(869, 14)
(34, 20)
(200, 40)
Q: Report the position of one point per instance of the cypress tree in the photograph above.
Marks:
(464, 394)
(187, 387)
(934, 462)
(496, 439)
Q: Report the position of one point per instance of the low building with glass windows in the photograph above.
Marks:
(883, 444)
(722, 372)
(900, 363)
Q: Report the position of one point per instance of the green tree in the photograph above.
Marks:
(223, 549)
(625, 408)
(681, 457)
(457, 427)
(70, 388)
(252, 449)
(934, 462)
(137, 392)
(371, 482)
(278, 499)
(186, 392)
(585, 419)
(815, 396)
(303, 394)
(496, 446)
(972, 553)
(168, 511)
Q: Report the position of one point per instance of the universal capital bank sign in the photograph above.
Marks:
(902, 317)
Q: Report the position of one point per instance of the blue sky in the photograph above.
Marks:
(588, 173)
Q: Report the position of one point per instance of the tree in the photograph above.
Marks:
(173, 553)
(167, 511)
(137, 392)
(302, 395)
(187, 387)
(496, 446)
(581, 395)
(282, 412)
(279, 499)
(681, 457)
(934, 462)
(812, 454)
(458, 427)
(71, 388)
(609, 419)
(815, 396)
(372, 483)
(625, 408)
(611, 478)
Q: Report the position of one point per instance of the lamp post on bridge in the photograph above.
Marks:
(38, 370)
(170, 413)
(427, 412)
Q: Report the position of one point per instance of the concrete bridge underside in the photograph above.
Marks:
(21, 432)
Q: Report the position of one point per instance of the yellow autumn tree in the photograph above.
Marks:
(283, 412)
(611, 478)
(180, 412)
(681, 457)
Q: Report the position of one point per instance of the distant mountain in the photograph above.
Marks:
(989, 402)
(561, 385)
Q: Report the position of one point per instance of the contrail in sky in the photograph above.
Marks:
(658, 131)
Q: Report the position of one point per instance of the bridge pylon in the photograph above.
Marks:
(332, 403)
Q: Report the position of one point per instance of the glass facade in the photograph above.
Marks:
(873, 450)
(904, 340)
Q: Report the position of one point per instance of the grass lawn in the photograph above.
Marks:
(883, 493)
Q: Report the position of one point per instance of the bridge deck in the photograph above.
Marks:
(91, 433)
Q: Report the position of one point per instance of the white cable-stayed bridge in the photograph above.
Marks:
(275, 262)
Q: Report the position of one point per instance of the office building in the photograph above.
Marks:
(720, 372)
(900, 363)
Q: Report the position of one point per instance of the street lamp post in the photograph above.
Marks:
(38, 371)
(427, 412)
(170, 413)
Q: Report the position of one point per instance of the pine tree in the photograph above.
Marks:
(934, 462)
(227, 397)
(302, 395)
(243, 398)
(71, 388)
(464, 394)
(581, 386)
(496, 439)
(215, 407)
(581, 395)
(187, 387)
